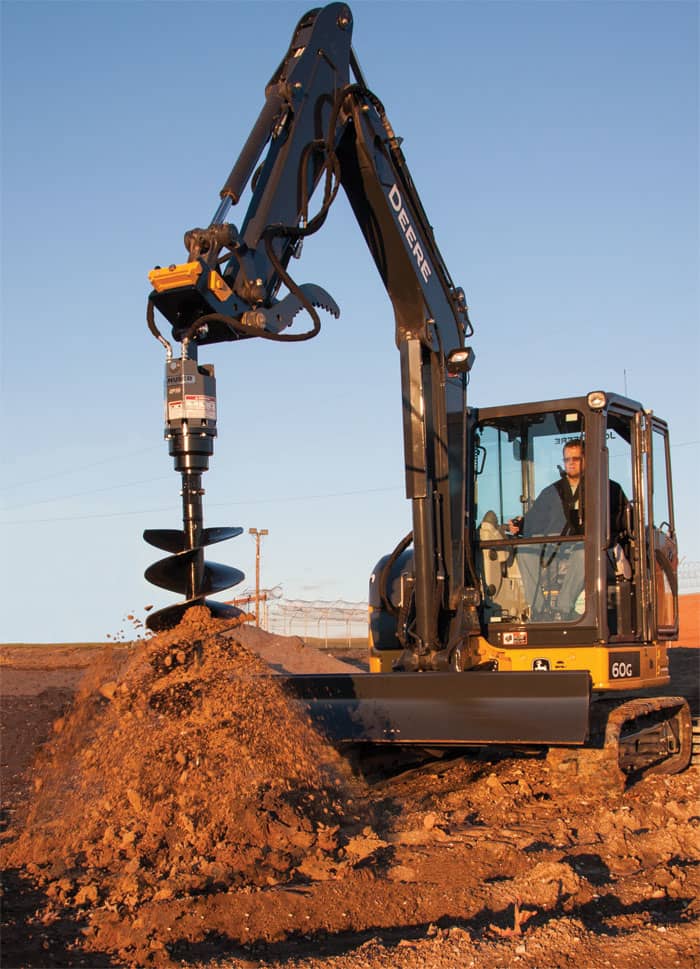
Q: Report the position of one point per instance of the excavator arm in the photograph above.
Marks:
(321, 128)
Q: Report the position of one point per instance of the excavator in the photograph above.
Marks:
(471, 642)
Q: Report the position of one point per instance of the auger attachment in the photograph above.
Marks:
(190, 429)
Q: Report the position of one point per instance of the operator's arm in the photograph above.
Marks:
(546, 517)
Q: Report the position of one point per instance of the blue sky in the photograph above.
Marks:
(555, 147)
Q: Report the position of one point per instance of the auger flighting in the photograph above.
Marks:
(190, 429)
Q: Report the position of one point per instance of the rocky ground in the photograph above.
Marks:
(164, 805)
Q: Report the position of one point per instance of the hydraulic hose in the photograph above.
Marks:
(386, 572)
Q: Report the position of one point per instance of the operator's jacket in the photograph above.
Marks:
(554, 511)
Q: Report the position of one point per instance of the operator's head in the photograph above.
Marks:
(573, 459)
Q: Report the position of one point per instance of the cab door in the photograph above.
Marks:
(661, 535)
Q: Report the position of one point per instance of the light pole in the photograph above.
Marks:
(258, 533)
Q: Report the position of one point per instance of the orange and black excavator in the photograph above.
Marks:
(489, 622)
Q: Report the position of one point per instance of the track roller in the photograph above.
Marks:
(190, 429)
(695, 758)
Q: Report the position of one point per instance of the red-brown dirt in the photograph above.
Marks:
(689, 620)
(182, 811)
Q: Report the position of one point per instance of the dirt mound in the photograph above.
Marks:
(181, 769)
(482, 859)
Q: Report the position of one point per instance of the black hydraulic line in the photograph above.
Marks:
(272, 232)
(241, 329)
(151, 321)
(471, 565)
(332, 184)
(386, 574)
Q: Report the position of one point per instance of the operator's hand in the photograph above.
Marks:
(514, 526)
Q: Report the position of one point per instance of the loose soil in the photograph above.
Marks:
(165, 804)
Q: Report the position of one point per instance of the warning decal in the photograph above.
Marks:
(518, 638)
(192, 407)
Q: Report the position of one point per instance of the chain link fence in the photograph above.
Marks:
(688, 577)
(337, 622)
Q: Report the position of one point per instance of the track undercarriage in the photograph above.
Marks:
(651, 735)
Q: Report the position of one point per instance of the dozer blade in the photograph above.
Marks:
(173, 539)
(448, 708)
(173, 573)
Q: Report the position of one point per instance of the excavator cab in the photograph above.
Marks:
(600, 596)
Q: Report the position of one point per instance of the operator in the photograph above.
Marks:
(559, 510)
